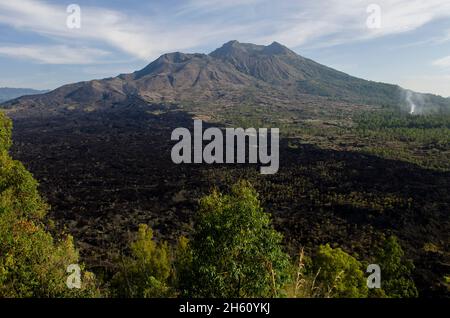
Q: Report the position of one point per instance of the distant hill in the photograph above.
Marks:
(7, 93)
(230, 72)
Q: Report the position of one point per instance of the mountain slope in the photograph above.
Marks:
(277, 65)
(228, 72)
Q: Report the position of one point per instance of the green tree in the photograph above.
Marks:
(146, 272)
(338, 274)
(235, 250)
(5, 132)
(182, 277)
(396, 270)
(32, 263)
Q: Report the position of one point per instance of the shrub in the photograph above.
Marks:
(396, 270)
(339, 274)
(235, 250)
(146, 272)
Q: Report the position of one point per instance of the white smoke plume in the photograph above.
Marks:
(409, 100)
(415, 102)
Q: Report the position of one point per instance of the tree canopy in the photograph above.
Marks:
(32, 262)
(235, 250)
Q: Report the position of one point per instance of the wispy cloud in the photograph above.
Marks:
(442, 62)
(208, 6)
(55, 54)
(208, 22)
(345, 21)
(136, 35)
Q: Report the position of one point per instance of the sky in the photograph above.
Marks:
(46, 44)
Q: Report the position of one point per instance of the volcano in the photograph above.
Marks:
(228, 73)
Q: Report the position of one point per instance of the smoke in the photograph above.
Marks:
(414, 102)
(409, 100)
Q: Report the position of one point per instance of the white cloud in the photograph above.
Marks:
(209, 22)
(345, 21)
(443, 62)
(135, 36)
(320, 23)
(208, 6)
(54, 54)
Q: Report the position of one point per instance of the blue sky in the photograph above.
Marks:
(411, 47)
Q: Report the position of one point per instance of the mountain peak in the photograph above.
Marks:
(166, 61)
(231, 43)
(277, 48)
(236, 49)
(233, 48)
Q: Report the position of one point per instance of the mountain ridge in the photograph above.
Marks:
(228, 71)
(8, 93)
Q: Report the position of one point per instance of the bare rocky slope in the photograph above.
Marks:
(226, 73)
